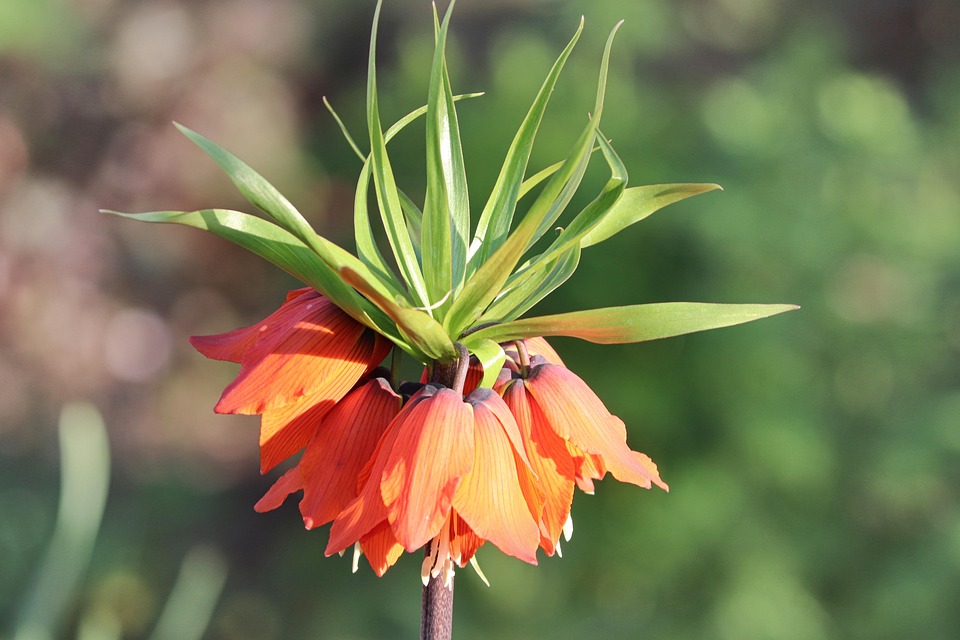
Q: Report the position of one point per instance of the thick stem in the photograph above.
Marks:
(436, 611)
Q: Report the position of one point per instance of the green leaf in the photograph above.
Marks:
(398, 126)
(589, 216)
(491, 356)
(533, 285)
(636, 323)
(417, 327)
(281, 248)
(484, 286)
(388, 196)
(639, 202)
(497, 216)
(253, 186)
(367, 249)
(446, 210)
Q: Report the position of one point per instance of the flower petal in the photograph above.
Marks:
(366, 511)
(577, 414)
(285, 485)
(306, 347)
(381, 548)
(432, 451)
(490, 498)
(232, 345)
(342, 446)
(550, 460)
(286, 430)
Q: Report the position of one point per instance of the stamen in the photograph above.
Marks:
(556, 548)
(476, 567)
(357, 552)
(568, 528)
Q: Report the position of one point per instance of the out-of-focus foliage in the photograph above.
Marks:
(813, 459)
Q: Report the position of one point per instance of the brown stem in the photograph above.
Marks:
(436, 610)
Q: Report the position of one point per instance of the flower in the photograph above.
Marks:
(450, 471)
(294, 366)
(569, 435)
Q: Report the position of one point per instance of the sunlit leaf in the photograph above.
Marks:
(497, 216)
(446, 210)
(491, 356)
(639, 202)
(533, 285)
(483, 287)
(636, 323)
(418, 328)
(388, 196)
(281, 248)
(253, 186)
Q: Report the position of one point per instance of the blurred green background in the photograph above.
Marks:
(813, 458)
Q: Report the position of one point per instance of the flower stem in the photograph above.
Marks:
(436, 610)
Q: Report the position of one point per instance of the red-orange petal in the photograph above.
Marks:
(286, 484)
(342, 446)
(306, 347)
(232, 345)
(381, 548)
(286, 430)
(366, 511)
(577, 414)
(464, 542)
(490, 498)
(550, 460)
(432, 451)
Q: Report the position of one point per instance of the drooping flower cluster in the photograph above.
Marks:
(394, 471)
(492, 453)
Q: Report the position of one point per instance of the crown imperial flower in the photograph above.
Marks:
(490, 445)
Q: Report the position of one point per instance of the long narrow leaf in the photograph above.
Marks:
(533, 285)
(253, 186)
(491, 357)
(417, 327)
(497, 216)
(639, 202)
(483, 287)
(446, 211)
(588, 217)
(367, 249)
(636, 323)
(388, 196)
(394, 129)
(278, 246)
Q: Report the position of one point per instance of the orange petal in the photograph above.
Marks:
(550, 460)
(342, 446)
(577, 414)
(432, 451)
(540, 347)
(232, 345)
(285, 485)
(464, 542)
(286, 430)
(490, 498)
(307, 347)
(366, 511)
(381, 548)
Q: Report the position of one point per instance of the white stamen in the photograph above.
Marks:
(357, 552)
(568, 528)
(476, 567)
(556, 548)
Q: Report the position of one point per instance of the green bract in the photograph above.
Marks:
(449, 281)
